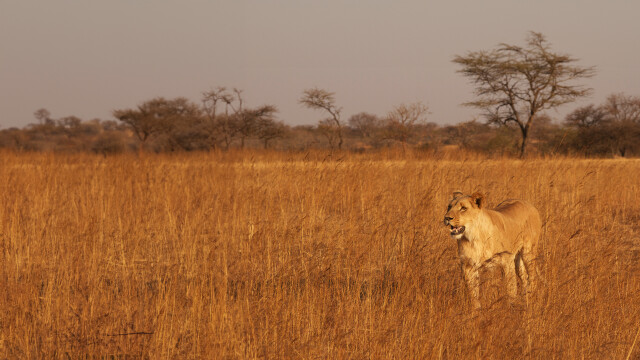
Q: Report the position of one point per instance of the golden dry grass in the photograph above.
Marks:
(254, 255)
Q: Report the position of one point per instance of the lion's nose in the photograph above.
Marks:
(448, 218)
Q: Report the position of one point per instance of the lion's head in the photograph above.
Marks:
(462, 212)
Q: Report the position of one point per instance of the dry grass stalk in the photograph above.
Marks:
(273, 255)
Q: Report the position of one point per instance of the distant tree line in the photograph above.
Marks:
(514, 86)
(222, 121)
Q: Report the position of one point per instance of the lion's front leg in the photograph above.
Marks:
(472, 278)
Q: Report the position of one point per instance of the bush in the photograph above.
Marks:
(109, 143)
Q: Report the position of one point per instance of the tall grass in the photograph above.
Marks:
(317, 255)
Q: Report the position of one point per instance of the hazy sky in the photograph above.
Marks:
(87, 58)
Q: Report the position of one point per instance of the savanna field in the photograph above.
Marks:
(247, 255)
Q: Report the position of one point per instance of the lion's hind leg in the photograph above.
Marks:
(528, 274)
(528, 261)
(522, 271)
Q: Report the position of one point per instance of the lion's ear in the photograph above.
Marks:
(478, 199)
(457, 194)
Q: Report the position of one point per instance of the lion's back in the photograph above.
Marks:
(519, 220)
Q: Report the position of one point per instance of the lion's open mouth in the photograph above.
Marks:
(457, 230)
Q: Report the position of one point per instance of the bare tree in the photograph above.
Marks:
(237, 122)
(623, 108)
(401, 122)
(210, 100)
(593, 133)
(623, 123)
(586, 117)
(367, 125)
(217, 125)
(222, 127)
(319, 99)
(613, 127)
(327, 128)
(515, 83)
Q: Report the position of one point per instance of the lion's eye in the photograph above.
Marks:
(463, 209)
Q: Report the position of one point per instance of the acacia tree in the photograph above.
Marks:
(269, 129)
(514, 83)
(159, 115)
(43, 116)
(143, 126)
(319, 99)
(250, 121)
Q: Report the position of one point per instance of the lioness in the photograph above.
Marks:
(506, 236)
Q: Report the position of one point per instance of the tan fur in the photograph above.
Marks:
(506, 236)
